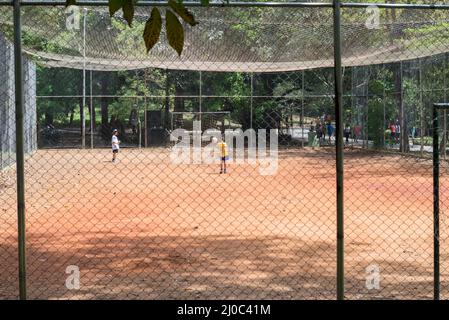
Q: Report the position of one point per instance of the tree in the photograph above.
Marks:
(153, 26)
(51, 81)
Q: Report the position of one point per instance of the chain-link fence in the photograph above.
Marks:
(220, 180)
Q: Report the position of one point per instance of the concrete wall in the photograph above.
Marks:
(7, 105)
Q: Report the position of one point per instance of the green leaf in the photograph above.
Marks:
(115, 5)
(181, 10)
(152, 29)
(70, 3)
(204, 3)
(128, 11)
(175, 31)
(126, 5)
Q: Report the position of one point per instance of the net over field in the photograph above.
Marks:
(145, 228)
(151, 226)
(230, 39)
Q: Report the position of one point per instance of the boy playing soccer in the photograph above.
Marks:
(223, 151)
(115, 144)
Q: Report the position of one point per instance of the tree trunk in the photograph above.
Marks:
(48, 118)
(92, 116)
(72, 114)
(104, 102)
(179, 101)
(271, 118)
(421, 111)
(81, 114)
(397, 75)
(167, 100)
(403, 142)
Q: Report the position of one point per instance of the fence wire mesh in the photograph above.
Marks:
(388, 187)
(165, 219)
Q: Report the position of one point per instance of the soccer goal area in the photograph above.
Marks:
(198, 122)
(328, 177)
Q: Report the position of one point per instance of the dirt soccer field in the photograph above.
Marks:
(146, 228)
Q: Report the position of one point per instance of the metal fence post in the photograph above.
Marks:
(83, 114)
(339, 148)
(18, 77)
(436, 200)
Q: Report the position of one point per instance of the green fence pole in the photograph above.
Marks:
(339, 147)
(436, 206)
(18, 76)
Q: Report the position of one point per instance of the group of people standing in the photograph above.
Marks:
(324, 127)
(395, 132)
(325, 130)
(355, 132)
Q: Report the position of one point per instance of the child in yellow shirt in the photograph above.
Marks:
(224, 155)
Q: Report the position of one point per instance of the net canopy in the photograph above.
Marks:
(231, 39)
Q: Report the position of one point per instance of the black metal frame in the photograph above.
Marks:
(436, 198)
(299, 4)
(336, 5)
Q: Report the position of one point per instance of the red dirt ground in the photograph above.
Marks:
(146, 228)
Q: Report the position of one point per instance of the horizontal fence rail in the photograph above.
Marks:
(436, 6)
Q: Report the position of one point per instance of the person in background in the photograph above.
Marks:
(330, 130)
(224, 155)
(133, 121)
(393, 133)
(398, 131)
(323, 117)
(347, 132)
(413, 134)
(357, 133)
(319, 133)
(115, 144)
(324, 131)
